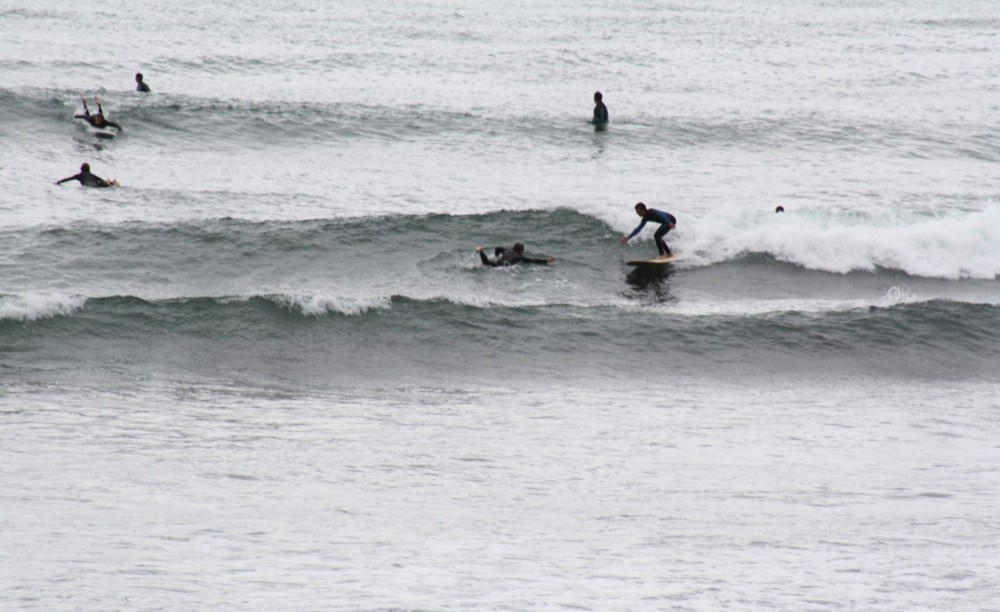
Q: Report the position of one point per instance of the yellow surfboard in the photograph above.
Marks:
(656, 261)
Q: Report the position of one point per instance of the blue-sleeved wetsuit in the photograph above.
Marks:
(666, 221)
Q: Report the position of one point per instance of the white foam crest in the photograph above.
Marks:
(953, 245)
(487, 301)
(753, 307)
(352, 305)
(32, 307)
(896, 296)
(318, 305)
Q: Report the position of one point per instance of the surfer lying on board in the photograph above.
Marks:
(98, 120)
(511, 256)
(88, 179)
(666, 220)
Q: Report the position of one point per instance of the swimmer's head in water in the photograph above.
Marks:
(518, 247)
(84, 167)
(779, 209)
(138, 77)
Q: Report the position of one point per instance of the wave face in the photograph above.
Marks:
(379, 338)
(952, 245)
(402, 294)
(186, 121)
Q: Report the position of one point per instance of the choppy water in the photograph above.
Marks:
(269, 372)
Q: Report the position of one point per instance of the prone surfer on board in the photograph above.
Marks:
(511, 256)
(88, 179)
(666, 220)
(98, 120)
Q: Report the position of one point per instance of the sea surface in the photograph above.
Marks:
(268, 371)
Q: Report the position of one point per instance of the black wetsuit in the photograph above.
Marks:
(508, 257)
(87, 179)
(142, 87)
(600, 113)
(92, 119)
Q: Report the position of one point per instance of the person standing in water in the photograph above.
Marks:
(666, 220)
(600, 110)
(140, 85)
(509, 257)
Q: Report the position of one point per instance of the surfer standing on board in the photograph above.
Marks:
(511, 256)
(98, 120)
(666, 220)
(88, 179)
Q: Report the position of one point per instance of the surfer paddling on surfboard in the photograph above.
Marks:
(511, 256)
(88, 179)
(98, 120)
(666, 220)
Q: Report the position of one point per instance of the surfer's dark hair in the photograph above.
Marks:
(518, 247)
(640, 205)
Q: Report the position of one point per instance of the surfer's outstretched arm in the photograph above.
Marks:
(86, 111)
(87, 178)
(634, 232)
(482, 256)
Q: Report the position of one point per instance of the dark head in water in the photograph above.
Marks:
(85, 168)
(518, 247)
(598, 96)
(140, 85)
(779, 209)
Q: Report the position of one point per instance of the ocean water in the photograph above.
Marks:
(268, 372)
